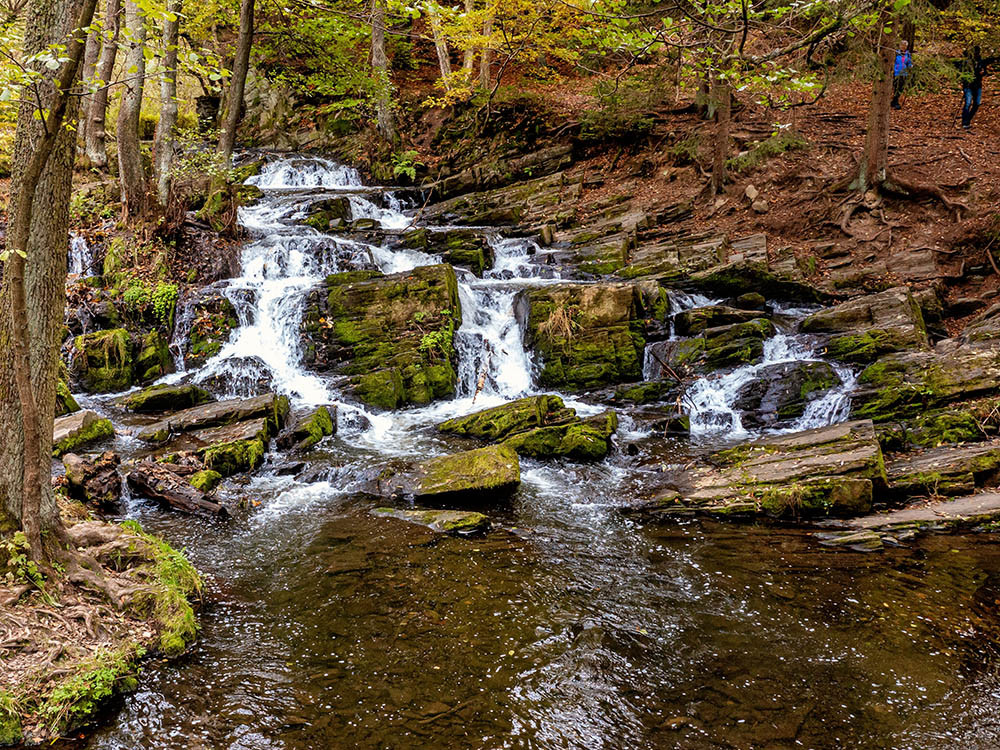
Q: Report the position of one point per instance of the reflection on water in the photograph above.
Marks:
(569, 627)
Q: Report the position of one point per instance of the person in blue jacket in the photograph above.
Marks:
(972, 70)
(900, 72)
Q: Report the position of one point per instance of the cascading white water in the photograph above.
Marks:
(679, 302)
(81, 259)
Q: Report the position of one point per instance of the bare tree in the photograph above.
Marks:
(441, 45)
(486, 56)
(380, 69)
(130, 171)
(241, 66)
(90, 55)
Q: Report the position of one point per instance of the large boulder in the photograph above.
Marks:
(829, 471)
(698, 319)
(103, 361)
(586, 335)
(160, 398)
(310, 428)
(330, 214)
(781, 392)
(581, 440)
(79, 429)
(392, 336)
(865, 328)
(481, 476)
(152, 357)
(272, 408)
(718, 348)
(502, 421)
(212, 319)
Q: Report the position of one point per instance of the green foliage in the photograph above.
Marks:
(784, 139)
(164, 299)
(137, 297)
(18, 567)
(405, 163)
(625, 108)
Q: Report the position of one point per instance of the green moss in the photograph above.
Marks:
(75, 701)
(65, 403)
(507, 419)
(491, 469)
(234, 457)
(779, 143)
(99, 430)
(205, 480)
(10, 720)
(644, 393)
(383, 389)
(153, 360)
(313, 428)
(102, 361)
(817, 497)
(166, 398)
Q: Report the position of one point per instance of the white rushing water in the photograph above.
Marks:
(81, 258)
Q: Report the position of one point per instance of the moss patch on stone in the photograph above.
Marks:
(102, 361)
(205, 480)
(65, 403)
(235, 457)
(99, 430)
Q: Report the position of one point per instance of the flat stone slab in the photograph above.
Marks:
(821, 472)
(946, 470)
(269, 406)
(965, 511)
(78, 429)
(481, 475)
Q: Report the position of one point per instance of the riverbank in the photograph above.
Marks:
(69, 651)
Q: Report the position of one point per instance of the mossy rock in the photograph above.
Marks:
(235, 457)
(205, 480)
(496, 423)
(102, 362)
(79, 429)
(460, 247)
(310, 429)
(585, 440)
(392, 336)
(153, 359)
(459, 522)
(160, 398)
(65, 403)
(214, 320)
(648, 392)
(480, 476)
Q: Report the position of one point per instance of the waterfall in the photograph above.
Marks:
(679, 302)
(81, 259)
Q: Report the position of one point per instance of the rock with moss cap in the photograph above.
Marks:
(717, 348)
(582, 440)
(944, 470)
(461, 522)
(79, 429)
(160, 398)
(467, 248)
(782, 392)
(391, 336)
(65, 403)
(865, 328)
(499, 422)
(478, 476)
(234, 457)
(270, 407)
(102, 361)
(828, 471)
(308, 430)
(205, 480)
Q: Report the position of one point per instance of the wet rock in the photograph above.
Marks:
(445, 521)
(213, 319)
(240, 377)
(718, 348)
(646, 392)
(459, 247)
(829, 471)
(672, 258)
(205, 481)
(274, 409)
(696, 320)
(859, 541)
(781, 392)
(65, 403)
(500, 422)
(392, 336)
(308, 430)
(365, 225)
(482, 476)
(945, 470)
(323, 215)
(865, 328)
(159, 398)
(249, 429)
(582, 440)
(96, 481)
(235, 457)
(585, 335)
(79, 429)
(964, 512)
(102, 362)
(152, 358)
(750, 301)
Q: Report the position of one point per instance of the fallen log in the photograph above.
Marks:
(156, 481)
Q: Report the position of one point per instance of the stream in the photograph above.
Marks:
(569, 625)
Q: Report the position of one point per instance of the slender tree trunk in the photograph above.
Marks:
(380, 69)
(722, 97)
(875, 159)
(89, 69)
(130, 171)
(486, 58)
(32, 297)
(441, 46)
(241, 66)
(469, 61)
(96, 149)
(163, 144)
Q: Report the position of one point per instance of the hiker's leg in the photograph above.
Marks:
(966, 106)
(976, 98)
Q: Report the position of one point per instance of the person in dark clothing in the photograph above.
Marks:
(900, 73)
(973, 70)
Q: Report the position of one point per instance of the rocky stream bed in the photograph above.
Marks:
(463, 474)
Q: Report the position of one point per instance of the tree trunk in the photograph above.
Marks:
(441, 46)
(486, 58)
(469, 60)
(875, 159)
(130, 171)
(722, 98)
(380, 70)
(163, 144)
(90, 55)
(97, 153)
(241, 66)
(33, 294)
